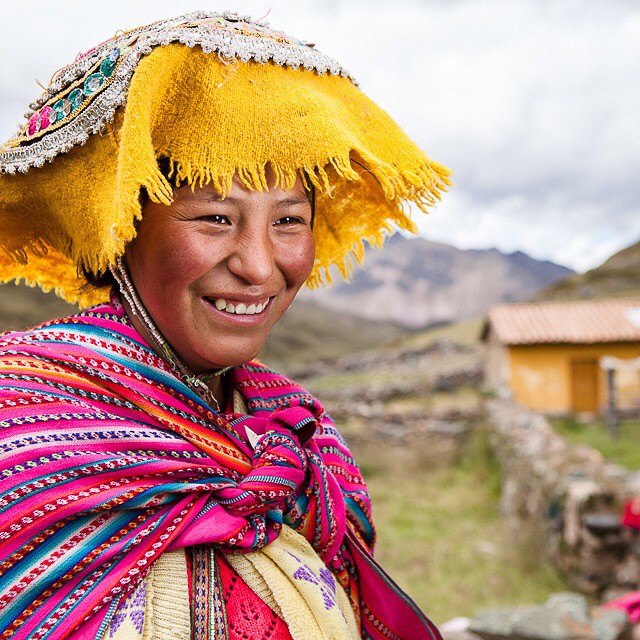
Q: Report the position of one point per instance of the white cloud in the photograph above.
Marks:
(533, 104)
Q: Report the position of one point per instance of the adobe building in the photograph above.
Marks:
(553, 356)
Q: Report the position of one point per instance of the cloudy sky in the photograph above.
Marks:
(535, 104)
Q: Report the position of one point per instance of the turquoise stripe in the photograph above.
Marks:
(365, 525)
(178, 487)
(71, 558)
(114, 566)
(63, 482)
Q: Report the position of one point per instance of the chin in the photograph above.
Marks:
(230, 357)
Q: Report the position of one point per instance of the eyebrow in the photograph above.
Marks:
(298, 199)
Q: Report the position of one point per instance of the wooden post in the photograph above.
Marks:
(611, 417)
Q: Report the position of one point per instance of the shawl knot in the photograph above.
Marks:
(283, 444)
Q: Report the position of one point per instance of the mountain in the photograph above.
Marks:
(618, 277)
(417, 283)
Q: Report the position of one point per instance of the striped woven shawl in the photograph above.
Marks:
(108, 460)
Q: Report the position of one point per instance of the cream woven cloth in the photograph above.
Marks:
(288, 575)
(159, 608)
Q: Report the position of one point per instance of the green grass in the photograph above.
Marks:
(440, 535)
(332, 382)
(624, 450)
(465, 332)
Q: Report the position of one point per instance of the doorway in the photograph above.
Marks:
(585, 376)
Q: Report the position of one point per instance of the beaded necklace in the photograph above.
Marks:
(196, 383)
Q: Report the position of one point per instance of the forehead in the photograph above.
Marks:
(241, 191)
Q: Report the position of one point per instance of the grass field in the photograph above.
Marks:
(624, 450)
(440, 534)
(465, 332)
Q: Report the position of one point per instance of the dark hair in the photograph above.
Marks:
(97, 280)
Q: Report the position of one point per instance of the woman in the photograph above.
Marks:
(158, 482)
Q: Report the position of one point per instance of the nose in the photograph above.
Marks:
(253, 258)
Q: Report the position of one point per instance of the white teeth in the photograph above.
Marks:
(241, 308)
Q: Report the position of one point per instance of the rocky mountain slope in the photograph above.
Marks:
(416, 283)
(619, 277)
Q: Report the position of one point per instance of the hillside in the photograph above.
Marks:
(417, 283)
(22, 307)
(617, 277)
(306, 332)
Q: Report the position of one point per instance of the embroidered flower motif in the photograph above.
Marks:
(323, 580)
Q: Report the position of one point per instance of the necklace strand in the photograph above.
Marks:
(196, 383)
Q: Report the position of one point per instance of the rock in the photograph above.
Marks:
(565, 616)
(610, 624)
(448, 428)
(574, 604)
(548, 623)
(454, 625)
(628, 571)
(496, 624)
(556, 487)
(457, 629)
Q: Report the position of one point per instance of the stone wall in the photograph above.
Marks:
(567, 496)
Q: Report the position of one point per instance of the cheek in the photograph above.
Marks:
(178, 259)
(299, 261)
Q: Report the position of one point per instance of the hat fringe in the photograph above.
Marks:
(422, 186)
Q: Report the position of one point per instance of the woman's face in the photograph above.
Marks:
(216, 274)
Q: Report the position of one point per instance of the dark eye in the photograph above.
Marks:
(216, 218)
(288, 220)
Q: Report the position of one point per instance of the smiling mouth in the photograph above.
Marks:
(240, 308)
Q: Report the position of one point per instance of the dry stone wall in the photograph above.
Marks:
(569, 496)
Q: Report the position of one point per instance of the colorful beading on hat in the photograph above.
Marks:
(82, 98)
(217, 96)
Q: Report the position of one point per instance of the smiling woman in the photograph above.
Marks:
(158, 482)
(216, 273)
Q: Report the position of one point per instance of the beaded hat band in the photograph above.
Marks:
(82, 98)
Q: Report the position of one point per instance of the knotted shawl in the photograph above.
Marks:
(108, 460)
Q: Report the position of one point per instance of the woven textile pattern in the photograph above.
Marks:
(108, 460)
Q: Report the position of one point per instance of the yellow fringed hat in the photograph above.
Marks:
(215, 95)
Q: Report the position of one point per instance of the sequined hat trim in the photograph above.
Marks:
(83, 97)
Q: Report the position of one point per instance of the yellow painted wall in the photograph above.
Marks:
(540, 375)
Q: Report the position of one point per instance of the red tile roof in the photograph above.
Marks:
(582, 322)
